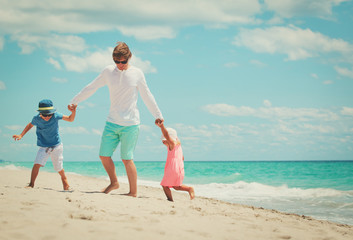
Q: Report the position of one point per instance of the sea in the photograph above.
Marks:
(320, 189)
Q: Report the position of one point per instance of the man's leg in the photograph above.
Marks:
(109, 167)
(132, 176)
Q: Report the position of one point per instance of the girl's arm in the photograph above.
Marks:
(71, 118)
(165, 133)
(27, 128)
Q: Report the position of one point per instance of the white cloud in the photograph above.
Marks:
(319, 128)
(327, 82)
(55, 63)
(314, 75)
(344, 72)
(91, 61)
(66, 16)
(292, 8)
(347, 111)
(2, 43)
(14, 127)
(50, 42)
(148, 32)
(2, 85)
(231, 65)
(97, 132)
(258, 63)
(97, 61)
(59, 80)
(274, 113)
(267, 103)
(74, 130)
(144, 65)
(292, 41)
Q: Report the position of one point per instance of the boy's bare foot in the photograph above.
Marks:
(67, 188)
(111, 187)
(192, 193)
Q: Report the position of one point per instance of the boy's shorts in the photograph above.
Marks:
(114, 134)
(55, 153)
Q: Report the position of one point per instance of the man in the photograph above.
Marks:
(123, 123)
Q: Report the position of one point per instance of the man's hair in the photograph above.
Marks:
(121, 51)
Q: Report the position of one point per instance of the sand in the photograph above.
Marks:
(48, 212)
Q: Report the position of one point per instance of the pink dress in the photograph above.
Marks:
(174, 168)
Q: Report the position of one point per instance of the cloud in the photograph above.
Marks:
(97, 132)
(258, 63)
(292, 41)
(66, 16)
(59, 80)
(148, 32)
(347, 111)
(55, 63)
(2, 85)
(327, 82)
(344, 72)
(231, 65)
(2, 43)
(274, 113)
(292, 8)
(97, 61)
(14, 127)
(90, 61)
(52, 43)
(314, 75)
(267, 103)
(74, 130)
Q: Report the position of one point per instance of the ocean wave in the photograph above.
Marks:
(12, 167)
(252, 190)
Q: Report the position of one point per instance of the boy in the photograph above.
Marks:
(48, 139)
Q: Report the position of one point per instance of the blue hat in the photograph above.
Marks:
(46, 106)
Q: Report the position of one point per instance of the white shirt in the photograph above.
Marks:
(124, 87)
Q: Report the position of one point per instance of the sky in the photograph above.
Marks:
(238, 80)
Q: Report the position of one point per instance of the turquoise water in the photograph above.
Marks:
(321, 189)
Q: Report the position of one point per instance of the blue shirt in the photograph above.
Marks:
(47, 131)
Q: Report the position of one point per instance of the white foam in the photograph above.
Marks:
(12, 167)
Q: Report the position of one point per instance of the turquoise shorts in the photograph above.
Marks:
(114, 134)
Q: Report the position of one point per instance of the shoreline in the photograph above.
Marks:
(46, 211)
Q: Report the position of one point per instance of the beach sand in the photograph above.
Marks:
(48, 212)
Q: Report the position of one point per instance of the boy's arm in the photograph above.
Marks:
(27, 128)
(72, 116)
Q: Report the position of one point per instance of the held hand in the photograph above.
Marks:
(17, 137)
(159, 122)
(72, 107)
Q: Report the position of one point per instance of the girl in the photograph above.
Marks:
(174, 167)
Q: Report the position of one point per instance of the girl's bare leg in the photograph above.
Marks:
(109, 167)
(168, 193)
(64, 180)
(188, 189)
(34, 174)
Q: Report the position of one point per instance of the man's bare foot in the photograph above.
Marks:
(29, 186)
(130, 194)
(111, 187)
(192, 193)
